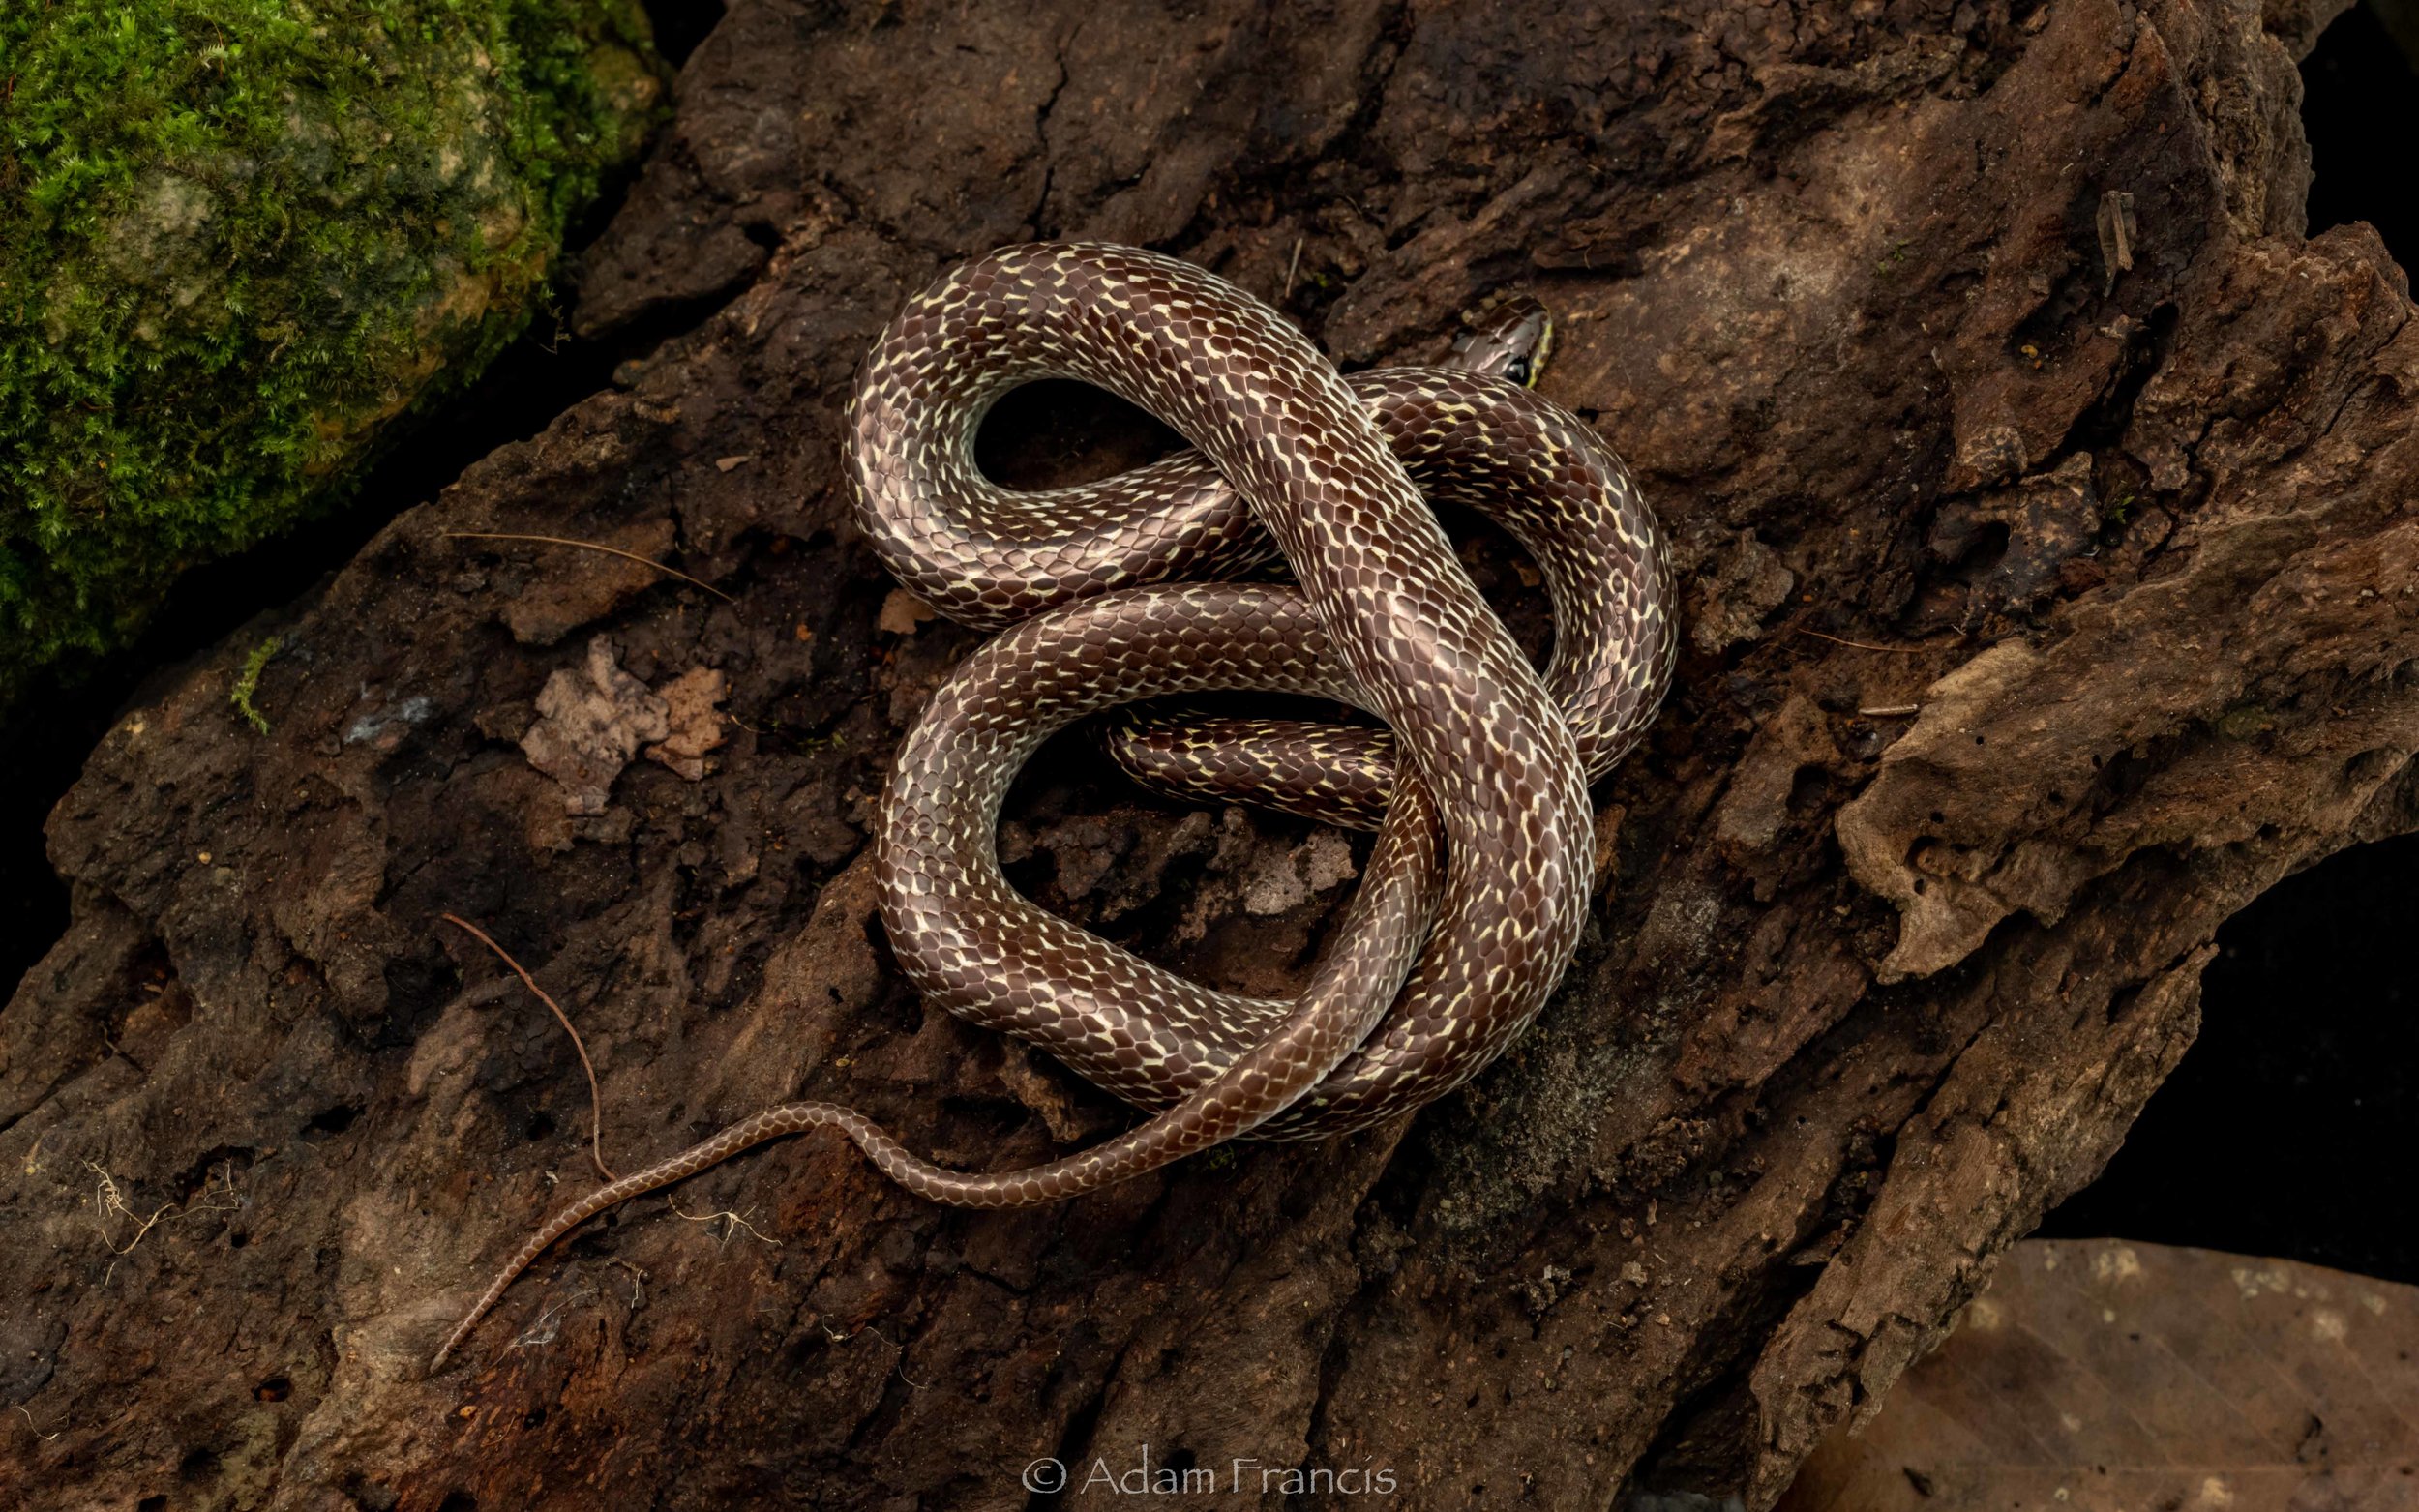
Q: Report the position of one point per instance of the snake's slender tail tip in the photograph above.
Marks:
(445, 1351)
(772, 1123)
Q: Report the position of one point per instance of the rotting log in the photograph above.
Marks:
(1976, 361)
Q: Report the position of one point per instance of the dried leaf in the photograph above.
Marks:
(591, 723)
(697, 724)
(901, 612)
(2101, 1375)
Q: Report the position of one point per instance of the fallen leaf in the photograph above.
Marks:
(696, 726)
(2098, 1375)
(591, 721)
(901, 612)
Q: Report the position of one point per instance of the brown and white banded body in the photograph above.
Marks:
(1476, 888)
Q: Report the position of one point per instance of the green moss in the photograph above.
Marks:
(239, 237)
(247, 683)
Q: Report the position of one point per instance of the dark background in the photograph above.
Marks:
(2292, 1126)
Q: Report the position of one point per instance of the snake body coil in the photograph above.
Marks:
(1477, 886)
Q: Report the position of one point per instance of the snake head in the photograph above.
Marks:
(1510, 339)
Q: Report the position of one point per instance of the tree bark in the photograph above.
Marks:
(2039, 495)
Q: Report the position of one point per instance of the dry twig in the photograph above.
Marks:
(596, 1100)
(1862, 645)
(590, 545)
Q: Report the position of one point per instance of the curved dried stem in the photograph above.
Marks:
(589, 546)
(596, 1101)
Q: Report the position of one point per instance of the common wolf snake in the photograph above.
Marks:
(1477, 886)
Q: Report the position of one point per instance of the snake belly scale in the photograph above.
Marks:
(1477, 886)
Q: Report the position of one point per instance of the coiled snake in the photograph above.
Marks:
(1477, 886)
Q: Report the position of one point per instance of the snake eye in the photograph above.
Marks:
(1517, 370)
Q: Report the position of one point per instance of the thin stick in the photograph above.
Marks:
(589, 546)
(596, 1101)
(1864, 645)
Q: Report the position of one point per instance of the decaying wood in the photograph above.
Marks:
(1867, 989)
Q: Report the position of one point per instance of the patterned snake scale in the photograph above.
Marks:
(1477, 886)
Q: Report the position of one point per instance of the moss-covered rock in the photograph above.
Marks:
(239, 237)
